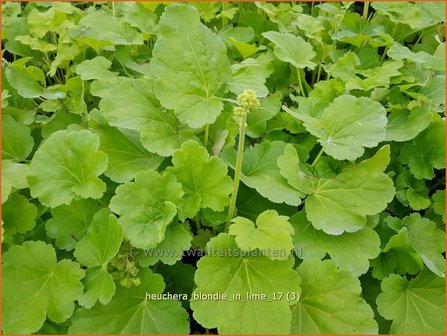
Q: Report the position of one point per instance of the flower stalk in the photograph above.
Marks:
(248, 102)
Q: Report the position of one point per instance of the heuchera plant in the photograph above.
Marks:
(301, 145)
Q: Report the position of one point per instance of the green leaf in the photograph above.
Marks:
(341, 203)
(406, 13)
(100, 26)
(434, 92)
(65, 54)
(272, 234)
(257, 122)
(433, 10)
(70, 222)
(345, 67)
(14, 176)
(405, 124)
(205, 181)
(147, 206)
(60, 122)
(67, 166)
(416, 306)
(98, 246)
(418, 199)
(36, 286)
(207, 11)
(243, 34)
(23, 116)
(245, 49)
(12, 27)
(261, 172)
(36, 44)
(236, 275)
(439, 203)
(169, 251)
(311, 243)
(130, 105)
(18, 215)
(17, 142)
(5, 97)
(411, 192)
(251, 75)
(130, 313)
(138, 16)
(202, 238)
(429, 241)
(250, 204)
(379, 76)
(55, 19)
(426, 152)
(354, 29)
(399, 52)
(75, 100)
(437, 60)
(311, 26)
(127, 156)
(330, 302)
(370, 290)
(292, 49)
(24, 80)
(397, 256)
(190, 84)
(96, 68)
(347, 126)
(11, 9)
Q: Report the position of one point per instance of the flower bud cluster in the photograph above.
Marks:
(248, 102)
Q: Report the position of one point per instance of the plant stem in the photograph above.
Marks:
(384, 54)
(300, 82)
(197, 219)
(67, 74)
(394, 31)
(207, 131)
(113, 9)
(365, 10)
(46, 60)
(237, 172)
(439, 33)
(224, 18)
(373, 17)
(419, 39)
(60, 74)
(319, 73)
(317, 158)
(84, 117)
(314, 77)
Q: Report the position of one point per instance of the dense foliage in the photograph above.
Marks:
(126, 128)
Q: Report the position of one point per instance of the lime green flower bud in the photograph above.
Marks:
(239, 111)
(248, 100)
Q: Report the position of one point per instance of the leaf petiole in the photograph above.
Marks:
(317, 158)
(197, 220)
(365, 10)
(207, 131)
(113, 10)
(300, 82)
